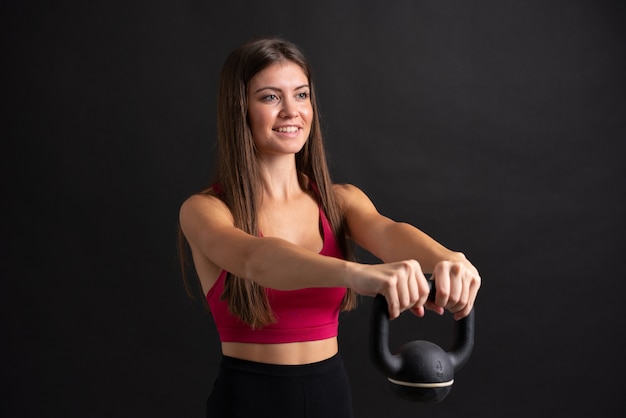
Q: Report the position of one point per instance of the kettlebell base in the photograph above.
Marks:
(421, 392)
(424, 385)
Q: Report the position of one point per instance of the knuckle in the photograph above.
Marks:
(457, 307)
(411, 265)
(477, 280)
(407, 265)
(443, 293)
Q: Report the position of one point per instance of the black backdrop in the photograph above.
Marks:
(495, 126)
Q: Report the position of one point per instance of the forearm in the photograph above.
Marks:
(278, 264)
(401, 241)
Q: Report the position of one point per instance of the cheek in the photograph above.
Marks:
(252, 122)
(256, 120)
(308, 113)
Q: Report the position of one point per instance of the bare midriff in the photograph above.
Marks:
(286, 354)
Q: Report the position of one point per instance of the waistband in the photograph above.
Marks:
(247, 366)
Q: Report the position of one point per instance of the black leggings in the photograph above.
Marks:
(249, 389)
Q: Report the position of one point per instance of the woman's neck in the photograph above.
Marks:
(281, 181)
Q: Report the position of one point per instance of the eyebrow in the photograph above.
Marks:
(280, 90)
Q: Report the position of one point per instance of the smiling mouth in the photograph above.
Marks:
(287, 129)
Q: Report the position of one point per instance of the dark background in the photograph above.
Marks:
(495, 126)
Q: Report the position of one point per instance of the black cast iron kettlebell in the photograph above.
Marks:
(421, 371)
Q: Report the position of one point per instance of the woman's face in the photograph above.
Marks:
(279, 109)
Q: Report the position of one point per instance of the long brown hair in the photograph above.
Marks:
(237, 170)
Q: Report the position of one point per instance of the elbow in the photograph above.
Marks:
(259, 259)
(253, 256)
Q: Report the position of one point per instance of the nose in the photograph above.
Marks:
(289, 109)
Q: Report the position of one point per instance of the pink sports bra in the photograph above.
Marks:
(301, 315)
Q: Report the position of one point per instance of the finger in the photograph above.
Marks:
(424, 289)
(418, 311)
(465, 294)
(456, 287)
(459, 288)
(421, 289)
(413, 286)
(432, 306)
(441, 276)
(461, 305)
(405, 277)
(473, 286)
(392, 301)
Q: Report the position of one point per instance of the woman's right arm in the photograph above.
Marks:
(272, 262)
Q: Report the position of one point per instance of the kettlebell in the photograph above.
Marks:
(421, 371)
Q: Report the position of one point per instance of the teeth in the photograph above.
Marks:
(288, 129)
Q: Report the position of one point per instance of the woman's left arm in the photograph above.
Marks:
(457, 281)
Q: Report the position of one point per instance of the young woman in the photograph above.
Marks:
(270, 244)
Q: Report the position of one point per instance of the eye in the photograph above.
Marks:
(269, 98)
(303, 95)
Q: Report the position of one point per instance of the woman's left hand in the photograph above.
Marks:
(457, 284)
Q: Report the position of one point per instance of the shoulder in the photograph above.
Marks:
(345, 190)
(203, 206)
(350, 197)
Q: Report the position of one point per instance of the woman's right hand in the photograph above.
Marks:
(402, 283)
